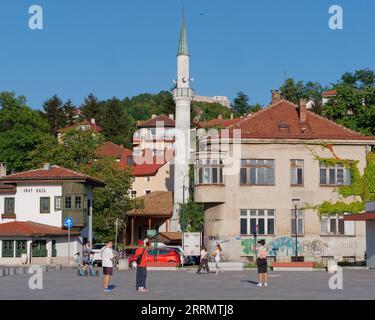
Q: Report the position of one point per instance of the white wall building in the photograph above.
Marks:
(33, 207)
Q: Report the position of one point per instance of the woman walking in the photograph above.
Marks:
(217, 254)
(204, 260)
(262, 263)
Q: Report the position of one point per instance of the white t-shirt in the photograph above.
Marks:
(218, 254)
(107, 256)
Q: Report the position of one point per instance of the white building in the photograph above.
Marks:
(33, 207)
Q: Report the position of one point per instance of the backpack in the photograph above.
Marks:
(139, 258)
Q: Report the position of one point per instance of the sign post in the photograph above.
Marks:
(192, 243)
(69, 223)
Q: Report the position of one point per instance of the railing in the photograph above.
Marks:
(183, 92)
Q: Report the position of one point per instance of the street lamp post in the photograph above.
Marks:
(295, 201)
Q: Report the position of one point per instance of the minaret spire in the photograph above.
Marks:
(183, 48)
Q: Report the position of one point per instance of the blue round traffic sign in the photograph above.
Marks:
(69, 222)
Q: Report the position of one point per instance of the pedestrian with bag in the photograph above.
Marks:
(141, 254)
(217, 256)
(203, 260)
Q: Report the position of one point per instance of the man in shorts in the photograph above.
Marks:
(107, 264)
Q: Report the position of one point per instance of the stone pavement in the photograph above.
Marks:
(182, 285)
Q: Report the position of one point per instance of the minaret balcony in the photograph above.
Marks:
(179, 93)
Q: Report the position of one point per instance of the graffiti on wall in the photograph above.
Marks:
(285, 246)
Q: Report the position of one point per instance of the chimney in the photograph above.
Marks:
(3, 169)
(171, 116)
(275, 96)
(93, 121)
(46, 166)
(220, 116)
(153, 116)
(231, 116)
(302, 110)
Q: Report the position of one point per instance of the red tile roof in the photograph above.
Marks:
(281, 121)
(110, 149)
(31, 229)
(329, 93)
(140, 170)
(52, 174)
(168, 122)
(157, 203)
(93, 126)
(4, 188)
(220, 123)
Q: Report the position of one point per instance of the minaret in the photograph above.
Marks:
(182, 95)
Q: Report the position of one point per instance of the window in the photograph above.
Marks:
(335, 176)
(148, 191)
(209, 171)
(8, 249)
(78, 202)
(296, 172)
(257, 221)
(148, 179)
(133, 194)
(9, 205)
(336, 226)
(257, 172)
(300, 222)
(44, 205)
(130, 161)
(68, 202)
(57, 203)
(54, 251)
(20, 247)
(39, 248)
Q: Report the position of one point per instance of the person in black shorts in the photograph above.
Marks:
(262, 263)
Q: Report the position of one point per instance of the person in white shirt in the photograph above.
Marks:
(217, 254)
(107, 264)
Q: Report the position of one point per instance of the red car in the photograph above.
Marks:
(162, 255)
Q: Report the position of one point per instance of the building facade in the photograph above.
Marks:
(33, 207)
(279, 162)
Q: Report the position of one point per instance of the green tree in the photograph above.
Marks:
(54, 113)
(69, 112)
(354, 103)
(21, 130)
(90, 108)
(294, 91)
(118, 126)
(112, 201)
(241, 104)
(192, 216)
(75, 151)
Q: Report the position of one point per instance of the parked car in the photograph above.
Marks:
(162, 255)
(97, 257)
(179, 250)
(128, 252)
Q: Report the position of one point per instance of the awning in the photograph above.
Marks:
(366, 216)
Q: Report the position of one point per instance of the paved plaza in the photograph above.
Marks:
(181, 285)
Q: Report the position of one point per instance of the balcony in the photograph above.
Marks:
(209, 193)
(183, 93)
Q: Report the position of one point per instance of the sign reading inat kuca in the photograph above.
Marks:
(192, 243)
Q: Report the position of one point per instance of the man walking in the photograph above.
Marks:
(141, 254)
(107, 263)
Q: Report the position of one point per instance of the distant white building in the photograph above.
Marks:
(223, 100)
(33, 207)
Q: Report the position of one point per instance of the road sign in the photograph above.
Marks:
(69, 222)
(151, 233)
(192, 243)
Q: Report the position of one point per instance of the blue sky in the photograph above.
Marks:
(126, 47)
